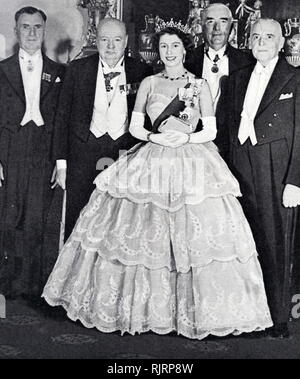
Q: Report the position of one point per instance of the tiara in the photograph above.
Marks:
(160, 25)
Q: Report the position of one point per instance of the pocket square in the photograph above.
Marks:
(57, 80)
(285, 96)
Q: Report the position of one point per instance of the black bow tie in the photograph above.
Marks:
(108, 77)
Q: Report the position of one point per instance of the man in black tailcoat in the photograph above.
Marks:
(264, 134)
(30, 84)
(215, 60)
(96, 103)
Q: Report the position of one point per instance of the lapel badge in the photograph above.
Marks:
(46, 77)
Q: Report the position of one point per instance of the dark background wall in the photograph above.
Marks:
(178, 9)
(135, 11)
(281, 9)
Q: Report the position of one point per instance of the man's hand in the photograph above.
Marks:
(291, 196)
(59, 178)
(1, 174)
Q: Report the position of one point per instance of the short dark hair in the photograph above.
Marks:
(30, 10)
(185, 38)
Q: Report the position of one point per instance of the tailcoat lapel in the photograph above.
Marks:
(233, 60)
(49, 75)
(88, 82)
(280, 77)
(11, 68)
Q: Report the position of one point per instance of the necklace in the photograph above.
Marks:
(184, 75)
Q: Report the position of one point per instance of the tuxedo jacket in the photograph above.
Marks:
(12, 94)
(237, 60)
(278, 116)
(77, 99)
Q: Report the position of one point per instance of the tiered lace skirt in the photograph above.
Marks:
(163, 245)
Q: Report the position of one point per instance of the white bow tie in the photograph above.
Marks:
(261, 70)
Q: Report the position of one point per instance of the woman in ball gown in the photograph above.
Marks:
(163, 244)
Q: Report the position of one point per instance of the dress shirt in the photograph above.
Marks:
(213, 78)
(119, 67)
(110, 114)
(31, 69)
(258, 83)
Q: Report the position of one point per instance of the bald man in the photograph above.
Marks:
(215, 60)
(96, 102)
(264, 122)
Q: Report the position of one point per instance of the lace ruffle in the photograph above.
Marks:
(218, 299)
(194, 236)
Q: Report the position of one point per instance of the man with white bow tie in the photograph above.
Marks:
(29, 89)
(264, 131)
(96, 103)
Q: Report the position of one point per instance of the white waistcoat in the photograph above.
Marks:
(32, 86)
(110, 117)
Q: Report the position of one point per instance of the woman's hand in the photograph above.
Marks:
(170, 138)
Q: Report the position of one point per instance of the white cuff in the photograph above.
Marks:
(61, 164)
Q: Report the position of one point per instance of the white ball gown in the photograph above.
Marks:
(162, 245)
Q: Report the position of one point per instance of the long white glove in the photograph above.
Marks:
(136, 127)
(208, 133)
(167, 139)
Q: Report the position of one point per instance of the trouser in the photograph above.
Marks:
(260, 170)
(87, 160)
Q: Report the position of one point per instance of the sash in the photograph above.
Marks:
(172, 109)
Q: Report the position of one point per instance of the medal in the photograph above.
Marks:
(215, 68)
(107, 78)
